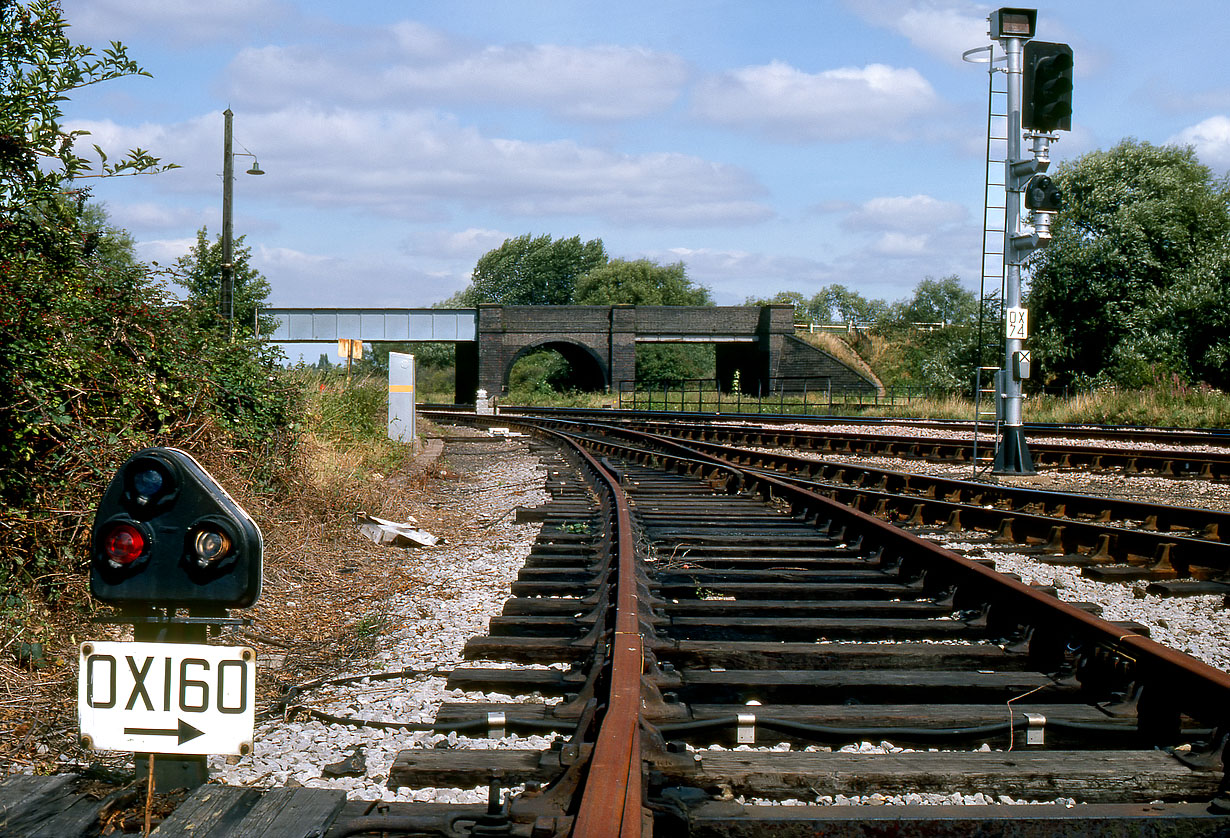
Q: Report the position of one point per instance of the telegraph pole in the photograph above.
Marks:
(1043, 70)
(226, 299)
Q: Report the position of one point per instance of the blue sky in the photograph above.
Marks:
(770, 146)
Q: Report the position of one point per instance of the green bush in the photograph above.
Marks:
(101, 361)
(99, 358)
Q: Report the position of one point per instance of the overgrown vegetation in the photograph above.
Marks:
(1162, 404)
(101, 359)
(350, 416)
(929, 339)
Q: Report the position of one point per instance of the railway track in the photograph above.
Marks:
(715, 640)
(761, 623)
(1169, 453)
(1178, 549)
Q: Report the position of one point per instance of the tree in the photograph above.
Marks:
(200, 271)
(533, 271)
(940, 301)
(852, 307)
(58, 264)
(802, 309)
(99, 359)
(39, 67)
(1134, 283)
(639, 282)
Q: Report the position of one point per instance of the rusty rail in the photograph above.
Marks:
(1180, 683)
(612, 806)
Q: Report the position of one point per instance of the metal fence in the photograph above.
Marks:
(787, 394)
(801, 395)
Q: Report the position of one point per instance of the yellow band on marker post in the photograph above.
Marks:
(401, 388)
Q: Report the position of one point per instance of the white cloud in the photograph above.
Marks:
(164, 251)
(467, 244)
(1211, 139)
(151, 216)
(422, 165)
(735, 275)
(789, 104)
(909, 227)
(942, 28)
(902, 214)
(420, 41)
(413, 66)
(300, 278)
(897, 245)
(177, 21)
(602, 82)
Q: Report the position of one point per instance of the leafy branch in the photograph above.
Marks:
(137, 162)
(39, 67)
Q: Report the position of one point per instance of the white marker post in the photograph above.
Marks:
(401, 397)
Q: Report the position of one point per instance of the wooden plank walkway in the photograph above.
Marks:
(59, 807)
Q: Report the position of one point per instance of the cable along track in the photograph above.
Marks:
(748, 611)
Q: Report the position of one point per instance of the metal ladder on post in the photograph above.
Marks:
(994, 216)
(986, 392)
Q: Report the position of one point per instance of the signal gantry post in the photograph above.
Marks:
(1040, 87)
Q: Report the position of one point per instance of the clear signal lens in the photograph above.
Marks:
(124, 545)
(210, 546)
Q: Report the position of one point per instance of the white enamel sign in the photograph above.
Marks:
(167, 698)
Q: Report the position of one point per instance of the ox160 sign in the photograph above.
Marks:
(167, 698)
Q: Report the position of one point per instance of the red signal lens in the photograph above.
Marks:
(123, 545)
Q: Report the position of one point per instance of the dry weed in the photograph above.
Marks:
(323, 589)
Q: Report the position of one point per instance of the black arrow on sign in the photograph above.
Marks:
(185, 731)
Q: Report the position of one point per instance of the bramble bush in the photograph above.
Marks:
(100, 358)
(103, 361)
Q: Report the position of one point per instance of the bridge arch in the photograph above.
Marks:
(589, 371)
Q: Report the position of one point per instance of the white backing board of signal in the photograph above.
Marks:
(167, 698)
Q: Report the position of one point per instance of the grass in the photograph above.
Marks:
(350, 418)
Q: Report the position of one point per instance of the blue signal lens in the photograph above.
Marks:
(148, 483)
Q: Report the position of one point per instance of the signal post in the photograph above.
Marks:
(1040, 100)
(167, 538)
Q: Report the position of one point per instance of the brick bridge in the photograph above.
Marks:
(599, 342)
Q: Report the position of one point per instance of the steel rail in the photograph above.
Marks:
(1184, 536)
(1206, 465)
(1122, 433)
(1174, 462)
(1168, 685)
(1170, 543)
(1175, 538)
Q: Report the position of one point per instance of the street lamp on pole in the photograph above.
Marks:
(226, 299)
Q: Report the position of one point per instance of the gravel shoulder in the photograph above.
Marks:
(462, 583)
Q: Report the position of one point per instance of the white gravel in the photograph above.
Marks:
(1197, 625)
(434, 627)
(1040, 438)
